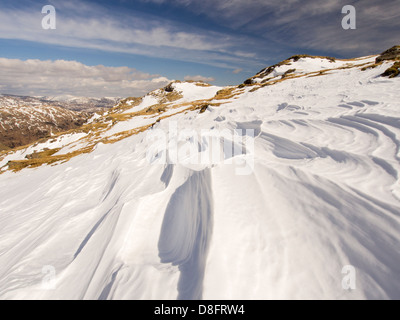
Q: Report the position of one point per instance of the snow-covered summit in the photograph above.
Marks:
(305, 65)
(176, 92)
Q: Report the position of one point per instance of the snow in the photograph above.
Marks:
(64, 141)
(309, 65)
(147, 101)
(193, 91)
(133, 123)
(190, 91)
(95, 117)
(324, 194)
(69, 143)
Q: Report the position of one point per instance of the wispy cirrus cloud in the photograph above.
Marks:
(91, 26)
(60, 77)
(311, 24)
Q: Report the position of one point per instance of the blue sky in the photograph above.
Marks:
(126, 48)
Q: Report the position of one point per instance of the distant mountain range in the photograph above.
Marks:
(25, 119)
(68, 102)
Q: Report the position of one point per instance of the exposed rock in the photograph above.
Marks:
(288, 72)
(204, 108)
(390, 54)
(393, 71)
(248, 81)
(169, 88)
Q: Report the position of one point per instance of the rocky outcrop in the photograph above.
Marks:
(393, 71)
(390, 54)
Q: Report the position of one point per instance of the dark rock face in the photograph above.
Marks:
(204, 108)
(169, 88)
(248, 81)
(393, 71)
(390, 54)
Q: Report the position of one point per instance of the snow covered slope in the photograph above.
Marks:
(94, 214)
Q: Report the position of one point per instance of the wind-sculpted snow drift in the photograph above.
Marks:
(186, 232)
(323, 194)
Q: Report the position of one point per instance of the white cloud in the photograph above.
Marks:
(236, 71)
(60, 77)
(199, 78)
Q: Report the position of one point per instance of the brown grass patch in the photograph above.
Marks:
(297, 57)
(42, 154)
(226, 93)
(370, 66)
(3, 148)
(46, 157)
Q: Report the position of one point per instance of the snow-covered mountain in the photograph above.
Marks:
(69, 102)
(274, 189)
(24, 120)
(86, 104)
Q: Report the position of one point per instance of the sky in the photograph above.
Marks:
(124, 48)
